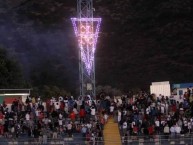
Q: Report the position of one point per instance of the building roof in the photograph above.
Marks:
(183, 85)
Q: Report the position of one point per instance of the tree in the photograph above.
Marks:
(10, 72)
(108, 90)
(49, 91)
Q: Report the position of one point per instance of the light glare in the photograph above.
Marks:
(87, 30)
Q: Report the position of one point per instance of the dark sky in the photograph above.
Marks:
(140, 41)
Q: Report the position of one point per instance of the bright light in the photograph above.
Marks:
(16, 94)
(87, 30)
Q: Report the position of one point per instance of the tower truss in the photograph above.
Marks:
(86, 29)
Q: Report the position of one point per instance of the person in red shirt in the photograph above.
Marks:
(72, 116)
(151, 129)
(174, 108)
(82, 114)
(1, 129)
(135, 130)
(1, 117)
(62, 105)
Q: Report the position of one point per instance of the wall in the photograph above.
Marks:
(162, 88)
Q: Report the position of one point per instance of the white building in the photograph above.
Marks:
(160, 88)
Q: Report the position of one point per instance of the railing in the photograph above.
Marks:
(129, 140)
(158, 140)
(49, 141)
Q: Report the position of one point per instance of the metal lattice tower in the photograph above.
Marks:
(85, 9)
(86, 30)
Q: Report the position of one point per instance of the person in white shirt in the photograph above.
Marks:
(185, 125)
(61, 98)
(93, 138)
(166, 131)
(69, 129)
(167, 108)
(147, 110)
(157, 125)
(60, 122)
(106, 117)
(37, 113)
(119, 116)
(75, 111)
(89, 126)
(57, 105)
(191, 120)
(39, 100)
(89, 100)
(162, 108)
(112, 109)
(172, 130)
(60, 116)
(189, 126)
(79, 102)
(27, 118)
(118, 104)
(124, 126)
(93, 112)
(66, 103)
(177, 129)
(124, 112)
(66, 108)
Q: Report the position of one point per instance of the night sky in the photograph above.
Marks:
(140, 41)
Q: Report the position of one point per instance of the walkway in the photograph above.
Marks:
(111, 133)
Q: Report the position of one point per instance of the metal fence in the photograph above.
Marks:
(129, 140)
(39, 141)
(158, 140)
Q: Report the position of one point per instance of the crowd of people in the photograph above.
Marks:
(140, 114)
(148, 115)
(56, 118)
